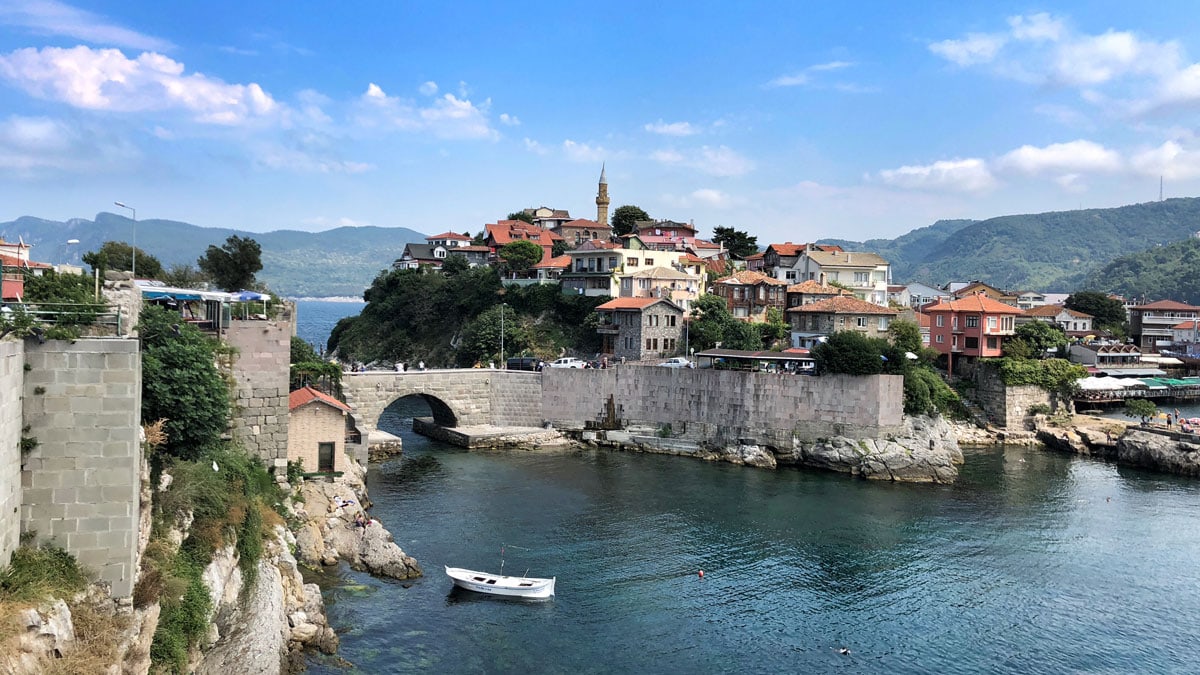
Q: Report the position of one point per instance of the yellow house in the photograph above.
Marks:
(317, 431)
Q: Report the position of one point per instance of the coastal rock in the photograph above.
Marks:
(1171, 452)
(926, 451)
(45, 633)
(253, 631)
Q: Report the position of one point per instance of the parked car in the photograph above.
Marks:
(568, 362)
(677, 362)
(522, 363)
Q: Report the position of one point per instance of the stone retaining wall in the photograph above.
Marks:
(723, 406)
(82, 402)
(12, 360)
(260, 372)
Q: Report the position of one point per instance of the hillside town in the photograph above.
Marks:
(656, 272)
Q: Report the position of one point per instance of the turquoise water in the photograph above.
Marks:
(1034, 562)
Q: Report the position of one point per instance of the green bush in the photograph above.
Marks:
(181, 383)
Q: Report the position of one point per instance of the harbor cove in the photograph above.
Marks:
(1032, 561)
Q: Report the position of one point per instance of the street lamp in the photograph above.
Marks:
(133, 250)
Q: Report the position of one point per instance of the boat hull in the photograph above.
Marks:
(495, 584)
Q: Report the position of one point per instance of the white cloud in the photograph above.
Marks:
(33, 147)
(305, 160)
(960, 175)
(447, 117)
(104, 79)
(715, 161)
(804, 76)
(710, 197)
(582, 152)
(1170, 160)
(973, 49)
(48, 17)
(535, 147)
(1073, 157)
(672, 128)
(1036, 27)
(509, 120)
(1096, 59)
(1071, 182)
(428, 88)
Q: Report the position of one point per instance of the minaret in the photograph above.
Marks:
(602, 200)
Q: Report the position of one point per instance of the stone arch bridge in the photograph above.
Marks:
(458, 397)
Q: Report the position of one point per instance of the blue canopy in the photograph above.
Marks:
(247, 296)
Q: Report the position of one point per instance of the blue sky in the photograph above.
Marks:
(793, 121)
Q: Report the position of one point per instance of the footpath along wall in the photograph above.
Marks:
(723, 406)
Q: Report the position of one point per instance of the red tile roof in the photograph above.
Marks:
(813, 287)
(1186, 325)
(632, 303)
(308, 395)
(1165, 304)
(1055, 310)
(581, 222)
(844, 304)
(756, 256)
(449, 235)
(750, 278)
(973, 303)
(562, 262)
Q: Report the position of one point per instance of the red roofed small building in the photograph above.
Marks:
(1073, 323)
(317, 430)
(15, 266)
(974, 327)
(507, 231)
(549, 271)
(1187, 332)
(817, 320)
(1151, 325)
(748, 294)
(577, 231)
(754, 262)
(640, 329)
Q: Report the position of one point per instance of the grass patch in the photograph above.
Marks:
(40, 572)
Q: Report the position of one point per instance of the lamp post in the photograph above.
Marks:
(133, 249)
(503, 363)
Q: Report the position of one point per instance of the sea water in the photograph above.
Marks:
(1033, 562)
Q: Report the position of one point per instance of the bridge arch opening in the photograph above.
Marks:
(417, 405)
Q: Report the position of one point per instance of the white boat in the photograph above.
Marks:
(496, 584)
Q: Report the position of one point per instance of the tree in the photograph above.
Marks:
(849, 352)
(520, 255)
(184, 275)
(1107, 313)
(906, 335)
(739, 243)
(1140, 407)
(521, 215)
(1042, 337)
(712, 323)
(455, 264)
(560, 247)
(233, 266)
(775, 328)
(181, 384)
(624, 218)
(117, 255)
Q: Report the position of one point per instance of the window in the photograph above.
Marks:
(612, 262)
(991, 323)
(790, 275)
(649, 262)
(862, 277)
(325, 456)
(671, 320)
(647, 344)
(941, 339)
(972, 342)
(954, 322)
(972, 322)
(861, 321)
(883, 323)
(632, 262)
(991, 343)
(654, 341)
(941, 320)
(954, 341)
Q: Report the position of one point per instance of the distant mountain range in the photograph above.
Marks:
(1048, 252)
(336, 262)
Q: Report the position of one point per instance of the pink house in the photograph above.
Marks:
(974, 327)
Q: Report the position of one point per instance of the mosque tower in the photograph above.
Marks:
(602, 200)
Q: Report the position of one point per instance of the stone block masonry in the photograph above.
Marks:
(260, 374)
(80, 484)
(12, 361)
(723, 406)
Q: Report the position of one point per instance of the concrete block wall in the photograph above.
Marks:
(261, 377)
(12, 361)
(81, 484)
(1006, 406)
(517, 399)
(723, 406)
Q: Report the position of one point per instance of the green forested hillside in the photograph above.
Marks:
(335, 262)
(1051, 252)
(1170, 272)
(906, 249)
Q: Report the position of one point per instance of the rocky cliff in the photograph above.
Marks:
(1155, 448)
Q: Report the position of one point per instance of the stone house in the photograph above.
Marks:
(317, 429)
(807, 292)
(640, 329)
(816, 320)
(577, 231)
(748, 295)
